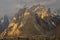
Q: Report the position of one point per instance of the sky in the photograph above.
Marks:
(10, 7)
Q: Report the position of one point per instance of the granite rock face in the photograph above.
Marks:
(30, 22)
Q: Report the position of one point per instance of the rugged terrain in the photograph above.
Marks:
(32, 21)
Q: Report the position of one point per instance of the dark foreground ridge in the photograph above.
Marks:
(41, 37)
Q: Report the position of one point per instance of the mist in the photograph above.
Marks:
(11, 7)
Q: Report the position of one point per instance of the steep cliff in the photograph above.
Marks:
(29, 23)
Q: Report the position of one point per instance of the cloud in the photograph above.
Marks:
(12, 6)
(19, 6)
(50, 2)
(46, 2)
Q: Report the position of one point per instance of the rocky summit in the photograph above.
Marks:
(30, 22)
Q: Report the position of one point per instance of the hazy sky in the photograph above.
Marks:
(10, 7)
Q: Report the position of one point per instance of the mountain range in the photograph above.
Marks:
(30, 22)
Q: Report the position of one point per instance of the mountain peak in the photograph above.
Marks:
(33, 21)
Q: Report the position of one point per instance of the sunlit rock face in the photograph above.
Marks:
(42, 12)
(15, 30)
(29, 23)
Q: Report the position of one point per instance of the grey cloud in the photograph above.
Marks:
(46, 2)
(10, 7)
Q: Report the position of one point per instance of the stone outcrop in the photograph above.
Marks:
(30, 23)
